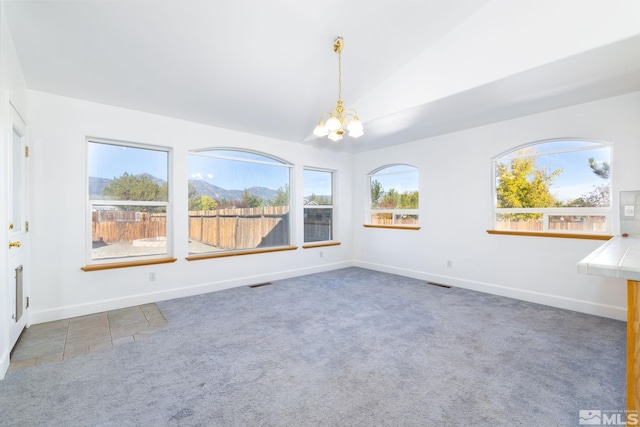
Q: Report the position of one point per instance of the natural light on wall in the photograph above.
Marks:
(561, 186)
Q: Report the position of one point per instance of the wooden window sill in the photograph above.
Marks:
(397, 227)
(321, 244)
(547, 234)
(125, 264)
(238, 253)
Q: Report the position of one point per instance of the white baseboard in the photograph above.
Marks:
(4, 363)
(588, 307)
(66, 312)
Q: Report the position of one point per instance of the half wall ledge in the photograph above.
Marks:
(111, 265)
(559, 235)
(238, 253)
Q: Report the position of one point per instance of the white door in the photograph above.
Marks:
(18, 227)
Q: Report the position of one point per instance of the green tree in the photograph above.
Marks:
(409, 200)
(602, 171)
(390, 200)
(135, 187)
(376, 193)
(202, 203)
(320, 200)
(599, 196)
(282, 197)
(250, 200)
(522, 184)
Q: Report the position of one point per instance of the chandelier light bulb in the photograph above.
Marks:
(355, 128)
(333, 124)
(335, 137)
(320, 130)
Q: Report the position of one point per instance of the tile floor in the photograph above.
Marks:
(62, 339)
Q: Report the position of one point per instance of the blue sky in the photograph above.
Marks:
(317, 182)
(401, 178)
(111, 161)
(237, 175)
(576, 178)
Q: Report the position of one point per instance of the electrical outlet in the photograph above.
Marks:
(629, 211)
(449, 263)
(152, 276)
(321, 254)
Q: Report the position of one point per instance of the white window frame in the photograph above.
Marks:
(210, 152)
(548, 212)
(332, 206)
(95, 203)
(369, 211)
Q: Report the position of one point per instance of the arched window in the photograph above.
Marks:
(393, 192)
(558, 186)
(238, 201)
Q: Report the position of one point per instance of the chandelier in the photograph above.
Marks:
(337, 120)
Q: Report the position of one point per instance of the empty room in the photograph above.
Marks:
(323, 213)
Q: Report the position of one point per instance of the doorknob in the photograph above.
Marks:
(10, 226)
(14, 245)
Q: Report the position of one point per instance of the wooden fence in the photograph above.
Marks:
(590, 224)
(126, 226)
(387, 219)
(222, 228)
(241, 228)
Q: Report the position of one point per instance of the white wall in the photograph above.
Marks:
(455, 211)
(12, 90)
(60, 289)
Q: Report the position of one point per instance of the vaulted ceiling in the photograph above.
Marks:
(413, 69)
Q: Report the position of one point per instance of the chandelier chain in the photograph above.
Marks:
(340, 75)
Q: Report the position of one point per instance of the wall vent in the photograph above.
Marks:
(439, 285)
(260, 285)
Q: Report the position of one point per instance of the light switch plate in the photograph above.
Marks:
(629, 211)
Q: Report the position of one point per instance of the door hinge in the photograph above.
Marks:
(27, 302)
(26, 226)
(26, 151)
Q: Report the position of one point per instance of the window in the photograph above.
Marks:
(238, 201)
(318, 205)
(129, 207)
(393, 196)
(560, 186)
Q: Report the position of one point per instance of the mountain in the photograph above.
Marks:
(263, 192)
(203, 188)
(153, 179)
(96, 185)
